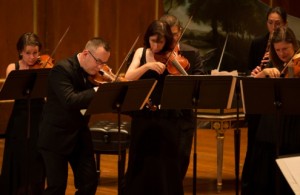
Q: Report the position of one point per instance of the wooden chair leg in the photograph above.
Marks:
(121, 171)
(98, 166)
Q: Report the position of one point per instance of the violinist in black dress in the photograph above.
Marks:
(275, 136)
(22, 168)
(259, 57)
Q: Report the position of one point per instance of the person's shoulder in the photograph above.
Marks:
(10, 67)
(187, 47)
(139, 50)
(261, 38)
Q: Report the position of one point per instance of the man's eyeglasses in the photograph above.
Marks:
(98, 61)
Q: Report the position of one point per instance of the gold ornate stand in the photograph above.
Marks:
(220, 123)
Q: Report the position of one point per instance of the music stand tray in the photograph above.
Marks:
(270, 95)
(121, 96)
(198, 91)
(24, 84)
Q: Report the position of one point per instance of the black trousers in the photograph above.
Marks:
(83, 165)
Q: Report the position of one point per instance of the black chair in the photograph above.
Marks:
(106, 140)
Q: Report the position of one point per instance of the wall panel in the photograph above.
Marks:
(77, 15)
(16, 17)
(119, 22)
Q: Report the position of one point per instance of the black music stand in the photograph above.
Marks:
(195, 92)
(237, 136)
(25, 84)
(121, 97)
(271, 96)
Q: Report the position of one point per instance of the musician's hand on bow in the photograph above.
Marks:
(157, 67)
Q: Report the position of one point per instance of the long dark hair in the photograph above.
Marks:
(161, 29)
(280, 11)
(28, 38)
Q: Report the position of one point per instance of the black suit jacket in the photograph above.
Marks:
(63, 126)
(257, 51)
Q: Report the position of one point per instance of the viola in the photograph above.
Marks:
(44, 61)
(176, 63)
(105, 75)
(292, 68)
(296, 66)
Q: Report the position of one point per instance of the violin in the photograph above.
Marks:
(44, 61)
(176, 63)
(292, 68)
(105, 75)
(296, 66)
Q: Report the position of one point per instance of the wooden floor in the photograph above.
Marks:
(206, 166)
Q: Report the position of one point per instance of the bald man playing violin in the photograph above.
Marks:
(64, 133)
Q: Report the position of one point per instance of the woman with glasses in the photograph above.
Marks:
(65, 137)
(22, 168)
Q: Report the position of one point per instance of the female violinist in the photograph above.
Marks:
(22, 169)
(153, 166)
(269, 142)
(259, 54)
(258, 59)
(282, 49)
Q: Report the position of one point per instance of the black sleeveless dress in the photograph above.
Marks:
(22, 168)
(153, 165)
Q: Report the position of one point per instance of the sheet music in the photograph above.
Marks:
(290, 168)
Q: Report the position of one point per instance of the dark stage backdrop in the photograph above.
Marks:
(213, 20)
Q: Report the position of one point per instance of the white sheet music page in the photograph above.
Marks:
(290, 168)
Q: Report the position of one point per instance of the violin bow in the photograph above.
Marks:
(59, 42)
(126, 58)
(183, 31)
(222, 54)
